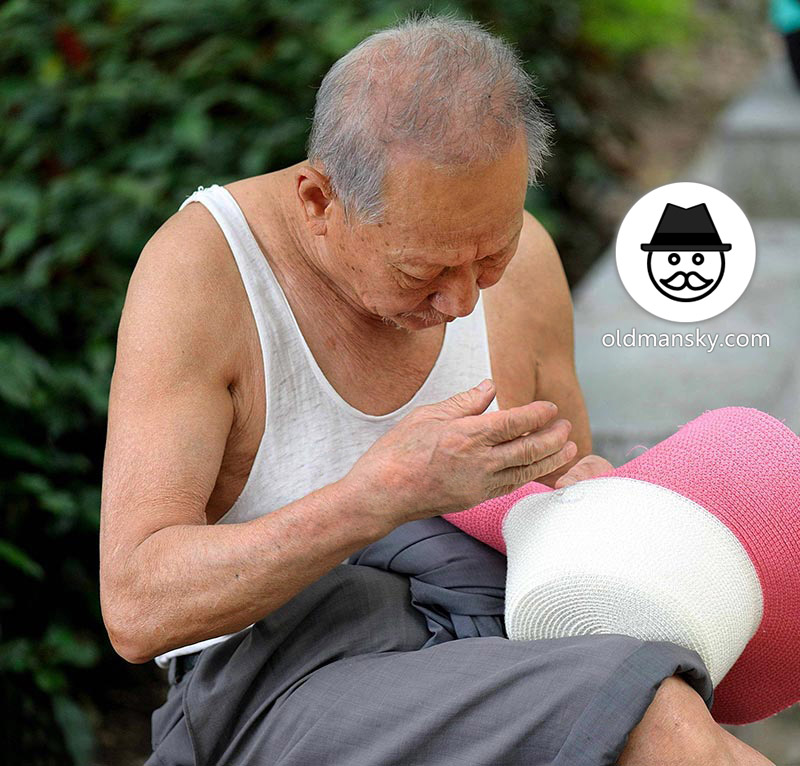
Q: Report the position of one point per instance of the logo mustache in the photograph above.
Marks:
(681, 279)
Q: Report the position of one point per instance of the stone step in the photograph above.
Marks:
(639, 396)
(754, 154)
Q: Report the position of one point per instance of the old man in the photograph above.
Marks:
(310, 358)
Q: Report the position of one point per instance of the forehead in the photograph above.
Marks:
(428, 206)
(448, 248)
(438, 215)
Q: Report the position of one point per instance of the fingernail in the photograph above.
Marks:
(486, 385)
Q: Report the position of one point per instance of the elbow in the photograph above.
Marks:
(130, 650)
(131, 653)
(129, 644)
(128, 636)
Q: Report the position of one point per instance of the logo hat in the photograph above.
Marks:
(682, 228)
(695, 541)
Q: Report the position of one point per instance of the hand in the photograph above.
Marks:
(586, 468)
(448, 456)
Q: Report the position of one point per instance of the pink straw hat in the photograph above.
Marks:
(695, 541)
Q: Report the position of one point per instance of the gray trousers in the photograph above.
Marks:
(336, 677)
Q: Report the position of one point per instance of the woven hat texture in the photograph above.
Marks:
(697, 541)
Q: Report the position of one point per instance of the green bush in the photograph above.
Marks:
(112, 113)
(624, 27)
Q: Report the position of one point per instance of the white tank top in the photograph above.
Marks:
(312, 437)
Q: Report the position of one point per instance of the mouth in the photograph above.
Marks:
(426, 318)
(431, 316)
(428, 321)
(680, 280)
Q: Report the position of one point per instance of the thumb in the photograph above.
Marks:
(471, 402)
(566, 480)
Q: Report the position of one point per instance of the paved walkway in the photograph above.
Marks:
(639, 396)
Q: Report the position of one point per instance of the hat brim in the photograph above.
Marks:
(653, 248)
(743, 466)
(619, 555)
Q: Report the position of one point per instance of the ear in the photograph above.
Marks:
(315, 195)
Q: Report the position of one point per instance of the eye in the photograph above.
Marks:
(698, 258)
(493, 261)
(499, 258)
(674, 258)
(413, 281)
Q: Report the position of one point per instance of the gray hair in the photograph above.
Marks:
(441, 87)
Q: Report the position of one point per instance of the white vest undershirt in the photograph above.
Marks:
(312, 437)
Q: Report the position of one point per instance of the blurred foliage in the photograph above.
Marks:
(112, 113)
(623, 27)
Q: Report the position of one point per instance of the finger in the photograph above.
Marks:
(573, 475)
(588, 467)
(515, 476)
(464, 403)
(566, 480)
(504, 425)
(529, 449)
(581, 470)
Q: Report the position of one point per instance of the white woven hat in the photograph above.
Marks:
(617, 555)
(695, 541)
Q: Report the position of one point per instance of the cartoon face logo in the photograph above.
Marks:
(686, 276)
(686, 257)
(672, 261)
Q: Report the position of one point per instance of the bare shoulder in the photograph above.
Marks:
(536, 268)
(534, 293)
(186, 275)
(190, 243)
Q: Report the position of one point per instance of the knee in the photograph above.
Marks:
(677, 728)
(681, 709)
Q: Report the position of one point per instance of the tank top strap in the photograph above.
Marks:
(270, 308)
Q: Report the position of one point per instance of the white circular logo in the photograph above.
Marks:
(685, 252)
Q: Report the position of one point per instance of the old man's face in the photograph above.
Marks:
(445, 235)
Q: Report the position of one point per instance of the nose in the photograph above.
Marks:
(457, 294)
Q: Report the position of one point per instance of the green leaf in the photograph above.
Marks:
(50, 680)
(18, 559)
(76, 728)
(17, 655)
(21, 367)
(19, 237)
(64, 647)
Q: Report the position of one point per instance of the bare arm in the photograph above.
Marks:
(168, 579)
(545, 325)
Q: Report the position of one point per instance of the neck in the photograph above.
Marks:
(301, 264)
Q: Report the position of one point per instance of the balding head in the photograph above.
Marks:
(440, 89)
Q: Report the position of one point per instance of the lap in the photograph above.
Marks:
(337, 676)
